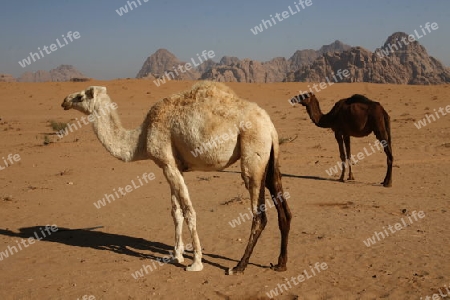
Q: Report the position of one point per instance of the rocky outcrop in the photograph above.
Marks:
(7, 78)
(400, 64)
(231, 69)
(61, 73)
(403, 64)
(336, 46)
(164, 63)
(302, 57)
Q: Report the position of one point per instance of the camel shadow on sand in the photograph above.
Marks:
(117, 243)
(292, 176)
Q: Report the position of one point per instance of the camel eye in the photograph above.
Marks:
(79, 98)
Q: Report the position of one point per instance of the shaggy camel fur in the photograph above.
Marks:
(355, 116)
(174, 127)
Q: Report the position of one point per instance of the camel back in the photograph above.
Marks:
(357, 98)
(204, 90)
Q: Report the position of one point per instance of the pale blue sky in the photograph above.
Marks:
(113, 46)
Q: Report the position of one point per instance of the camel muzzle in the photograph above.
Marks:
(66, 104)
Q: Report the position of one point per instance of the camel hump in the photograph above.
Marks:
(357, 98)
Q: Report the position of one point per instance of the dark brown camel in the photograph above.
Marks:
(355, 116)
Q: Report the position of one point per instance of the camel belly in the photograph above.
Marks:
(209, 154)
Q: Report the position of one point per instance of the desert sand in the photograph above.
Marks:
(94, 252)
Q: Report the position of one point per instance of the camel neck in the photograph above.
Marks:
(121, 143)
(316, 115)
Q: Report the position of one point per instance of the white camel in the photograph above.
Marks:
(174, 127)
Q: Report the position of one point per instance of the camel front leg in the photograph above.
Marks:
(340, 142)
(347, 148)
(179, 188)
(177, 215)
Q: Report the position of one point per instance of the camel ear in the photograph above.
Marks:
(94, 91)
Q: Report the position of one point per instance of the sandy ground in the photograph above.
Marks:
(95, 251)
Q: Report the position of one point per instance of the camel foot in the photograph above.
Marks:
(387, 184)
(350, 177)
(278, 268)
(179, 259)
(234, 271)
(341, 180)
(195, 267)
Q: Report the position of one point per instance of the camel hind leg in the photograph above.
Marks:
(340, 142)
(254, 168)
(273, 184)
(383, 134)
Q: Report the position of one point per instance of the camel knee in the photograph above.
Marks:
(260, 220)
(246, 180)
(288, 217)
(285, 222)
(177, 215)
(190, 216)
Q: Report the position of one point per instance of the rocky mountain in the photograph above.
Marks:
(7, 78)
(302, 57)
(229, 60)
(248, 70)
(396, 62)
(336, 46)
(205, 66)
(232, 69)
(275, 70)
(61, 73)
(306, 57)
(163, 61)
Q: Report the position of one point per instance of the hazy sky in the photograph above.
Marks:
(112, 46)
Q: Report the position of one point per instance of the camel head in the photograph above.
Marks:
(87, 101)
(303, 99)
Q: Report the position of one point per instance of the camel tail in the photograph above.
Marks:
(273, 176)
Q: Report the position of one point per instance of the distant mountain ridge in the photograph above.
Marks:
(394, 62)
(232, 68)
(60, 73)
(409, 65)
